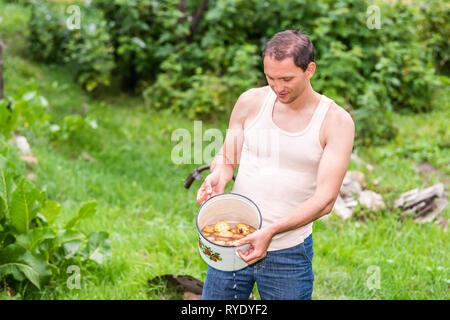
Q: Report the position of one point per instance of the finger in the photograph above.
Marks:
(243, 255)
(204, 192)
(252, 257)
(254, 260)
(244, 240)
(203, 199)
(207, 190)
(200, 196)
(208, 186)
(258, 256)
(239, 243)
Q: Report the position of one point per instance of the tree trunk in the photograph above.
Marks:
(197, 17)
(182, 9)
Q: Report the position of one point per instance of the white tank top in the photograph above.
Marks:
(278, 169)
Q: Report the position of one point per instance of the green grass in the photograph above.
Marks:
(150, 216)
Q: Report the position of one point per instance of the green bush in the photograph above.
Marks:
(143, 33)
(373, 72)
(90, 54)
(204, 94)
(88, 50)
(48, 33)
(432, 21)
(153, 47)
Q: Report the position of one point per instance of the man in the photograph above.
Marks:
(294, 183)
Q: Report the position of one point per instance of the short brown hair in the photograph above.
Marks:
(290, 43)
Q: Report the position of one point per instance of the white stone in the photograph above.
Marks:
(371, 200)
(22, 143)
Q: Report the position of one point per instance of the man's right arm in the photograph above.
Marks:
(225, 162)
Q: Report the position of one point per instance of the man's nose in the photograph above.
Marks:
(277, 87)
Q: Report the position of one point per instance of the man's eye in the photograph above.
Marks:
(287, 80)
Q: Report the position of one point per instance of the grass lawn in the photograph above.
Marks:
(150, 216)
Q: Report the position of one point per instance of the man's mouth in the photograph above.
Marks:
(281, 95)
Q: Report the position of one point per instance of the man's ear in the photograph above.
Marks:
(310, 70)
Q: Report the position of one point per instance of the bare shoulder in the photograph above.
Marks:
(254, 93)
(339, 123)
(339, 117)
(248, 105)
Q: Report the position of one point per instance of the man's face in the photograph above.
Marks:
(286, 79)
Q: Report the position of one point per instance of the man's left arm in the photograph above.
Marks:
(332, 168)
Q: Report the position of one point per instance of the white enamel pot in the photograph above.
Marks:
(233, 208)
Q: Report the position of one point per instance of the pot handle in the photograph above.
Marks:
(243, 248)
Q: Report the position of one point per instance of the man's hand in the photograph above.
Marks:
(213, 184)
(259, 242)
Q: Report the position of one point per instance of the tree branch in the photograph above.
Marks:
(182, 8)
(197, 17)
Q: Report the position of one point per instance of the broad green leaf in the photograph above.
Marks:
(2, 208)
(24, 205)
(3, 147)
(70, 235)
(21, 264)
(98, 247)
(50, 211)
(47, 247)
(69, 242)
(71, 248)
(87, 210)
(7, 176)
(34, 237)
(8, 118)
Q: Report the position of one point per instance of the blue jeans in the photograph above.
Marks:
(282, 274)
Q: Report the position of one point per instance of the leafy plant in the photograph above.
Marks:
(27, 108)
(33, 246)
(8, 117)
(77, 130)
(373, 121)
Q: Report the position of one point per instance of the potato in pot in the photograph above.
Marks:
(223, 233)
(221, 226)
